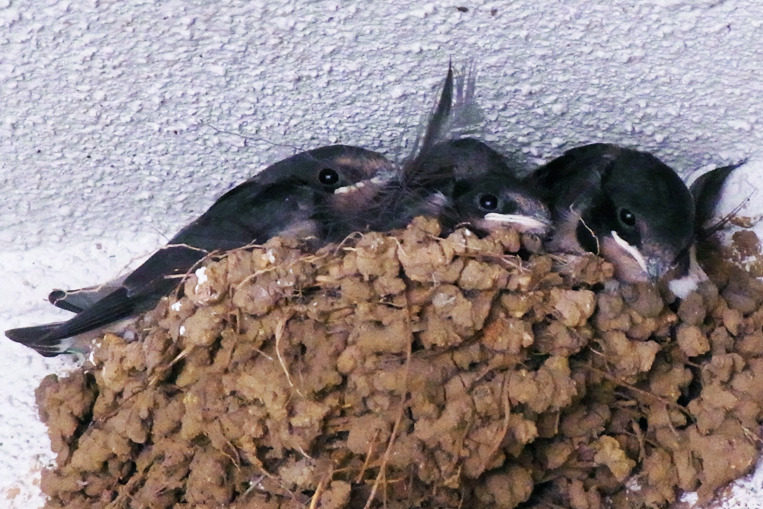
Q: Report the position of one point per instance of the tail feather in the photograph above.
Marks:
(439, 118)
(466, 116)
(109, 309)
(414, 174)
(42, 338)
(52, 339)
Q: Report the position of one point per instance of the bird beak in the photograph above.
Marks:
(654, 267)
(376, 181)
(635, 253)
(523, 223)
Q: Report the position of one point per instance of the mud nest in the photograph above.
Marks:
(408, 370)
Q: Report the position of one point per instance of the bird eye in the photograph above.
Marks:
(627, 218)
(328, 177)
(488, 202)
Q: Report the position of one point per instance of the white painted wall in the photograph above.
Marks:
(111, 115)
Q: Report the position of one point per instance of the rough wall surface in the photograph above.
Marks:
(122, 121)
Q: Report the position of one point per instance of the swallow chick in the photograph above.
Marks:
(463, 180)
(486, 192)
(295, 197)
(623, 204)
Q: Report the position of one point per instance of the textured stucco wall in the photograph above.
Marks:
(118, 118)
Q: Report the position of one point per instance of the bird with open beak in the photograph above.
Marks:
(623, 204)
(296, 197)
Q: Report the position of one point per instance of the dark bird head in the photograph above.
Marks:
(624, 204)
(349, 182)
(500, 201)
(486, 192)
(299, 197)
(351, 175)
(333, 169)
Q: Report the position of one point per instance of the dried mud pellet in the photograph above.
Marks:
(508, 335)
(520, 282)
(691, 340)
(578, 495)
(610, 305)
(585, 421)
(574, 307)
(670, 380)
(749, 382)
(751, 344)
(208, 481)
(661, 477)
(367, 434)
(478, 275)
(518, 304)
(608, 453)
(641, 328)
(549, 388)
(587, 269)
(507, 489)
(392, 337)
(723, 455)
(512, 243)
(692, 309)
(644, 298)
(356, 290)
(349, 359)
(555, 454)
(203, 327)
(64, 405)
(628, 357)
(746, 241)
(558, 339)
(686, 468)
(732, 320)
(336, 496)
